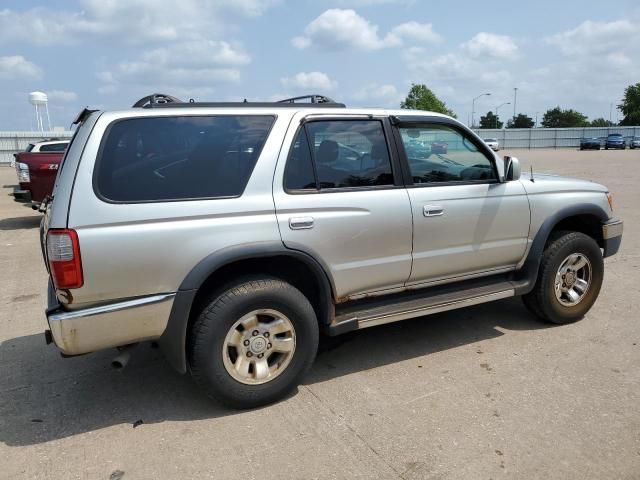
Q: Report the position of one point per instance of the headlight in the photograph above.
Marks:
(610, 200)
(23, 172)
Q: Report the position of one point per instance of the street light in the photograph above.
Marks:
(473, 107)
(497, 108)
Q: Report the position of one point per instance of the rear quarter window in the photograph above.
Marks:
(179, 158)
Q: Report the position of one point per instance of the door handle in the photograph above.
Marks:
(300, 223)
(432, 210)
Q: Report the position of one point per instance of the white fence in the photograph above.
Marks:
(13, 142)
(552, 137)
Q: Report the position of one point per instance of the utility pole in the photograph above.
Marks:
(515, 98)
(536, 124)
(498, 108)
(610, 111)
(473, 107)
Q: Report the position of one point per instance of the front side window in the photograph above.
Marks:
(339, 154)
(438, 153)
(173, 158)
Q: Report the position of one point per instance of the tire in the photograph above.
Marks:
(212, 358)
(543, 301)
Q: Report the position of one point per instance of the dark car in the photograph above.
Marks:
(615, 140)
(439, 147)
(590, 144)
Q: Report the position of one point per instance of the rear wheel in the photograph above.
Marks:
(569, 278)
(253, 343)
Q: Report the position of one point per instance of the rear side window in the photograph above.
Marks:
(177, 158)
(339, 154)
(54, 147)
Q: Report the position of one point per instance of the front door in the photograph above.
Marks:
(339, 197)
(466, 222)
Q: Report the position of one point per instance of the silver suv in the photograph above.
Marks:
(233, 234)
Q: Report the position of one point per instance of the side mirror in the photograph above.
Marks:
(512, 169)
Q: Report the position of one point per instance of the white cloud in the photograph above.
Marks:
(486, 44)
(193, 65)
(62, 96)
(386, 95)
(17, 67)
(417, 32)
(590, 38)
(309, 81)
(131, 21)
(336, 28)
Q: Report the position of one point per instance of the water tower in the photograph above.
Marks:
(40, 101)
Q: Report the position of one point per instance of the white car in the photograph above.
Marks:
(50, 145)
(492, 143)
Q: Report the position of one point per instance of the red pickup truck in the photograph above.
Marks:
(37, 169)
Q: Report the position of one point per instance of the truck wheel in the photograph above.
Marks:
(569, 279)
(253, 343)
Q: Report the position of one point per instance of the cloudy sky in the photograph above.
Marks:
(108, 53)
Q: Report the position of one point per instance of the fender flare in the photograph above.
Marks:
(173, 340)
(527, 275)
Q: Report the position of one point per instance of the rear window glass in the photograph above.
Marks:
(174, 158)
(54, 147)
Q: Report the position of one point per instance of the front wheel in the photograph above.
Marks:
(253, 343)
(569, 278)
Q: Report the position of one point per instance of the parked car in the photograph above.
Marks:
(439, 147)
(226, 233)
(492, 143)
(634, 143)
(590, 143)
(614, 140)
(48, 145)
(36, 169)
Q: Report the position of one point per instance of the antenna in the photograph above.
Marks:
(531, 170)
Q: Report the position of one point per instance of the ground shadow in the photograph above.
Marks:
(20, 223)
(44, 397)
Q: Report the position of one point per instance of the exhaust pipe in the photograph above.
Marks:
(123, 358)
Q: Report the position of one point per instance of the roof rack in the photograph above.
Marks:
(159, 100)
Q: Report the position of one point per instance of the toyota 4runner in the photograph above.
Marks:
(233, 234)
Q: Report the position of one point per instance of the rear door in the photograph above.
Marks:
(339, 197)
(466, 222)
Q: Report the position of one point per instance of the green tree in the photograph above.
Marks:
(630, 106)
(421, 98)
(559, 118)
(601, 122)
(490, 121)
(521, 121)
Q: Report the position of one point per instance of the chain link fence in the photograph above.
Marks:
(14, 142)
(552, 137)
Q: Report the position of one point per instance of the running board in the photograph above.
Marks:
(393, 308)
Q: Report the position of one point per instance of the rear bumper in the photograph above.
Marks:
(612, 236)
(112, 325)
(21, 195)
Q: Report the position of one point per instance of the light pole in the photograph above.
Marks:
(515, 98)
(473, 107)
(498, 108)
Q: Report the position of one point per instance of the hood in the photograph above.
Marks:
(545, 182)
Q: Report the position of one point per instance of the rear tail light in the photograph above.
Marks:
(23, 172)
(63, 254)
